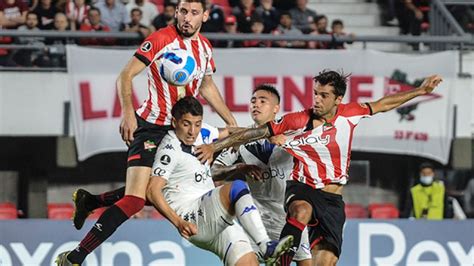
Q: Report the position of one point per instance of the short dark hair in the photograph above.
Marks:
(337, 22)
(285, 13)
(93, 9)
(319, 17)
(333, 78)
(136, 9)
(203, 3)
(426, 165)
(185, 105)
(31, 13)
(269, 88)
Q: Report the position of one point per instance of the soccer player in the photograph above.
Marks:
(320, 141)
(182, 189)
(265, 167)
(143, 130)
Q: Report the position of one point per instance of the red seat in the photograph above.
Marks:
(355, 211)
(8, 211)
(7, 205)
(383, 211)
(60, 211)
(97, 213)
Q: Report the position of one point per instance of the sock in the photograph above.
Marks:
(110, 197)
(295, 228)
(108, 222)
(250, 219)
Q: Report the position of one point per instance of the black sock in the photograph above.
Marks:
(110, 220)
(110, 197)
(294, 228)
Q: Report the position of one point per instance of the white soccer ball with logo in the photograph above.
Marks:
(178, 67)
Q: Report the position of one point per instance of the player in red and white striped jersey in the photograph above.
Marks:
(320, 140)
(144, 130)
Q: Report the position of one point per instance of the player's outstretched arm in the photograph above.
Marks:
(155, 196)
(210, 93)
(205, 152)
(390, 102)
(237, 171)
(124, 88)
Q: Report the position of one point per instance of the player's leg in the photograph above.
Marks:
(138, 175)
(85, 203)
(115, 215)
(236, 198)
(299, 214)
(303, 255)
(324, 254)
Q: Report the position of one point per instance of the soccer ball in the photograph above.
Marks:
(178, 67)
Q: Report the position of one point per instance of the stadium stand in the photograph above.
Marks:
(60, 211)
(383, 211)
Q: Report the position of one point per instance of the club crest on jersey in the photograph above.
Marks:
(165, 160)
(146, 47)
(327, 126)
(309, 141)
(149, 145)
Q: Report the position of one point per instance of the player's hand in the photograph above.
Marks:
(186, 229)
(252, 171)
(430, 83)
(205, 153)
(278, 139)
(127, 127)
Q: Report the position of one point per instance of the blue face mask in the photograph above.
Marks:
(426, 180)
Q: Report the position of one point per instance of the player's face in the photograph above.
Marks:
(187, 128)
(263, 107)
(189, 17)
(325, 101)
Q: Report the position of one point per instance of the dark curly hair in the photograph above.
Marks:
(336, 79)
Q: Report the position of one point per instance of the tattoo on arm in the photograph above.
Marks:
(242, 137)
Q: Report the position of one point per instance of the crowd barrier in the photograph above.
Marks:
(152, 242)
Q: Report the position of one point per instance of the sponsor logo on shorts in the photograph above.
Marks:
(146, 47)
(305, 248)
(159, 171)
(248, 209)
(168, 147)
(149, 145)
(165, 160)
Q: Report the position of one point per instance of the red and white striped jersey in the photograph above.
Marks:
(162, 96)
(321, 155)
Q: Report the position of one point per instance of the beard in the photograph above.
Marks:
(187, 34)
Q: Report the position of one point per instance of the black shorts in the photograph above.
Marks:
(146, 139)
(328, 214)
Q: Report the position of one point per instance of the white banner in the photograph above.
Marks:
(423, 127)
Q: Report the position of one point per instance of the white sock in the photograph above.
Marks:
(249, 217)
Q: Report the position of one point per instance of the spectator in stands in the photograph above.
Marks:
(320, 23)
(27, 57)
(283, 5)
(136, 26)
(76, 12)
(149, 10)
(56, 53)
(113, 14)
(12, 13)
(166, 18)
(337, 27)
(94, 18)
(428, 199)
(269, 15)
(215, 22)
(415, 14)
(244, 13)
(303, 17)
(230, 26)
(286, 27)
(257, 27)
(46, 12)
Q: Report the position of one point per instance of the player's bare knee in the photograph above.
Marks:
(301, 211)
(247, 260)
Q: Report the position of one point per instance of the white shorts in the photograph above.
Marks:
(217, 231)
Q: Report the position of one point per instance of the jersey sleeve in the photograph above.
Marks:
(227, 157)
(209, 133)
(289, 122)
(210, 66)
(151, 46)
(356, 111)
(166, 160)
